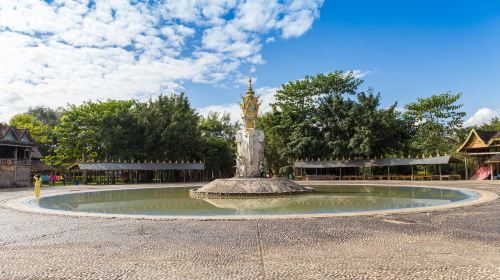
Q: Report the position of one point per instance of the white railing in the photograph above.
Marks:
(11, 161)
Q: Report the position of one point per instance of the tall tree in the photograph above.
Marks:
(493, 125)
(357, 127)
(376, 131)
(219, 126)
(46, 115)
(325, 116)
(436, 121)
(274, 142)
(41, 132)
(97, 130)
(295, 110)
(219, 147)
(170, 128)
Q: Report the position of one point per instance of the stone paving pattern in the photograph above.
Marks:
(461, 243)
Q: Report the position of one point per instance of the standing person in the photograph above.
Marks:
(63, 178)
(38, 184)
(52, 179)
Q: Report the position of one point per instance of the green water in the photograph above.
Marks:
(176, 201)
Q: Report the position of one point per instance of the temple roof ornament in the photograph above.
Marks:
(250, 107)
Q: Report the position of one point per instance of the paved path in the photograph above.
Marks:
(459, 243)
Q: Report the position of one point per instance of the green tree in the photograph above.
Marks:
(296, 115)
(325, 116)
(493, 125)
(219, 147)
(170, 128)
(274, 142)
(376, 131)
(41, 122)
(336, 119)
(97, 130)
(219, 126)
(357, 127)
(121, 135)
(41, 132)
(46, 115)
(436, 121)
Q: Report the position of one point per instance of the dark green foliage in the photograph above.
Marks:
(493, 125)
(163, 129)
(218, 144)
(40, 132)
(46, 115)
(286, 172)
(98, 131)
(41, 122)
(326, 116)
(296, 110)
(436, 123)
(322, 116)
(274, 142)
(170, 129)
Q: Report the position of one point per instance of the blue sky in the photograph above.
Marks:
(408, 49)
(115, 49)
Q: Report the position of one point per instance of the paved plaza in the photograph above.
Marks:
(461, 243)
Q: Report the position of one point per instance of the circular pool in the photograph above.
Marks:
(176, 202)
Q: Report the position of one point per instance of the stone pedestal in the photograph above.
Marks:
(250, 187)
(250, 160)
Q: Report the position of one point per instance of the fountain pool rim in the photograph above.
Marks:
(27, 204)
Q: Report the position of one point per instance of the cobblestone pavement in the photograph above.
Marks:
(461, 243)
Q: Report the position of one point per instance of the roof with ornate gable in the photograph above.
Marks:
(13, 136)
(480, 139)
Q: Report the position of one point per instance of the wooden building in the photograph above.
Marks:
(479, 147)
(17, 153)
(494, 164)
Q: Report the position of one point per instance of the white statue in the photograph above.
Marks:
(250, 160)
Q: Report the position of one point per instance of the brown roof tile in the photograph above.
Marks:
(18, 133)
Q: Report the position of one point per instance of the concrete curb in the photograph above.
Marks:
(26, 204)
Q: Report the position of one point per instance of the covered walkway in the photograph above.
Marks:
(374, 169)
(110, 172)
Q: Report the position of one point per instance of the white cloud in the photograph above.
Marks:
(233, 109)
(270, 40)
(266, 98)
(358, 74)
(482, 116)
(298, 17)
(69, 51)
(10, 104)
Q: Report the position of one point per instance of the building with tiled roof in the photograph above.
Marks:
(482, 147)
(18, 153)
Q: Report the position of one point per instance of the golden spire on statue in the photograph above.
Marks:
(250, 107)
(250, 90)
